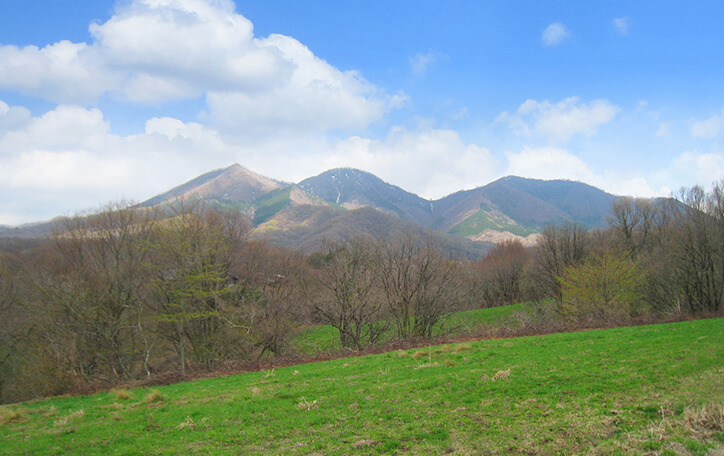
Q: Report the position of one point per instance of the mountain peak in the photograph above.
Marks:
(234, 183)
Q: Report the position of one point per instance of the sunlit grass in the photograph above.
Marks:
(652, 389)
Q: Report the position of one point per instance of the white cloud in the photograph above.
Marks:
(419, 63)
(708, 128)
(547, 163)
(562, 120)
(153, 51)
(555, 34)
(429, 162)
(703, 169)
(557, 163)
(12, 117)
(67, 160)
(622, 25)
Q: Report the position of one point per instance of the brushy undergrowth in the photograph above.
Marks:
(655, 389)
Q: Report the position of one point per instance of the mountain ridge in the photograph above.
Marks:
(329, 204)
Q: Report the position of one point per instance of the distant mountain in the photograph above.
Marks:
(353, 189)
(340, 203)
(307, 228)
(233, 184)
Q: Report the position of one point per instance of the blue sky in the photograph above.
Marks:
(103, 100)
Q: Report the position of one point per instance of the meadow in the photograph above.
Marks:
(655, 389)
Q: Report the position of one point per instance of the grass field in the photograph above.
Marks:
(652, 389)
(322, 338)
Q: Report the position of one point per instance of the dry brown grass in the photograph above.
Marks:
(706, 419)
(121, 394)
(419, 354)
(64, 420)
(154, 396)
(11, 415)
(462, 347)
(501, 375)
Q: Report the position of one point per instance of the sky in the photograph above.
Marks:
(104, 100)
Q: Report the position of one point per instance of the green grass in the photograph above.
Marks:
(654, 389)
(324, 338)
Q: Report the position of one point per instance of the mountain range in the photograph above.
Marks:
(340, 203)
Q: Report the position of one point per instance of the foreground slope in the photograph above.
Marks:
(651, 389)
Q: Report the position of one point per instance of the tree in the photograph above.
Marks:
(350, 301)
(419, 283)
(604, 285)
(276, 284)
(195, 297)
(634, 222)
(90, 285)
(557, 249)
(499, 275)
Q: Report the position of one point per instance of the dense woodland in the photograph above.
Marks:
(125, 294)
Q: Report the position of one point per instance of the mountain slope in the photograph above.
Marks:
(307, 228)
(352, 189)
(232, 184)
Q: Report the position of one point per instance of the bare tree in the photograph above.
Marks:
(351, 302)
(276, 283)
(499, 275)
(557, 249)
(91, 290)
(420, 284)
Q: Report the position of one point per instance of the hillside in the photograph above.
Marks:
(644, 390)
(307, 228)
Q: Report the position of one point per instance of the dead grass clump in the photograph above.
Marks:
(418, 354)
(448, 363)
(189, 423)
(705, 419)
(254, 390)
(121, 394)
(462, 347)
(401, 353)
(8, 415)
(154, 396)
(64, 420)
(444, 349)
(307, 405)
(501, 375)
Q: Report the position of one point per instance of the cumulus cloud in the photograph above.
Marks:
(708, 128)
(557, 163)
(559, 121)
(703, 168)
(153, 51)
(12, 117)
(622, 25)
(430, 162)
(555, 34)
(68, 159)
(547, 163)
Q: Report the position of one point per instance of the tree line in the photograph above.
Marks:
(123, 293)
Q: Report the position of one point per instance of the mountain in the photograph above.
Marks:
(307, 228)
(233, 184)
(352, 189)
(340, 203)
(511, 207)
(515, 207)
